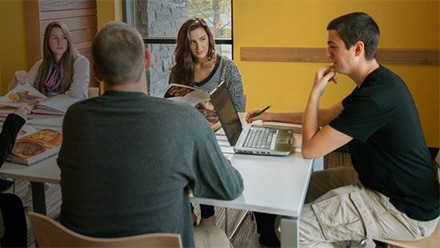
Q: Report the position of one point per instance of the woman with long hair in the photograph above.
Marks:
(62, 70)
(197, 63)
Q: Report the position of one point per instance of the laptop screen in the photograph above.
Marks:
(226, 113)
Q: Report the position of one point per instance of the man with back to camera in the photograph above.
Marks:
(125, 167)
(391, 191)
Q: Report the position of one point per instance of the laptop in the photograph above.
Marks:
(280, 140)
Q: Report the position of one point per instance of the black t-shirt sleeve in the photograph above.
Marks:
(10, 129)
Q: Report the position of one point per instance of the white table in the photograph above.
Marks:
(274, 185)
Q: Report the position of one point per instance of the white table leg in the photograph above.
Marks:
(289, 232)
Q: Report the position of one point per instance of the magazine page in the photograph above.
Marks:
(21, 94)
(54, 105)
(186, 94)
(200, 99)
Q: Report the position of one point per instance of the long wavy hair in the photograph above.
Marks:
(66, 60)
(183, 70)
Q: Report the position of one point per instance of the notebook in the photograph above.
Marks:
(280, 140)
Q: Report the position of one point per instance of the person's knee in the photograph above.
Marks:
(210, 236)
(10, 201)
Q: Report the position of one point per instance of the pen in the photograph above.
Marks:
(262, 111)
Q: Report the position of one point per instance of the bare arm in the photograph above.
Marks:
(288, 117)
(324, 115)
(316, 141)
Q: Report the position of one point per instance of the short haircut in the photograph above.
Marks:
(357, 26)
(118, 52)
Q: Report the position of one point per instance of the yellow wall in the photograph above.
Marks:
(287, 23)
(109, 10)
(13, 42)
(296, 23)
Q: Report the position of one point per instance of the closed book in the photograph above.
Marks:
(32, 148)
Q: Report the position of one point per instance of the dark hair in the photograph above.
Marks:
(357, 26)
(184, 68)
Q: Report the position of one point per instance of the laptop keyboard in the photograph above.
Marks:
(260, 137)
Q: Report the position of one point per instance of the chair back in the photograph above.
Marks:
(50, 233)
(93, 91)
(431, 241)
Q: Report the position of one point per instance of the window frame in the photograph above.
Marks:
(127, 11)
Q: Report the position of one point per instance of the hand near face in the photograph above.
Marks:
(322, 77)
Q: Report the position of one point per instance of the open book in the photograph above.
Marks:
(56, 105)
(198, 98)
(36, 146)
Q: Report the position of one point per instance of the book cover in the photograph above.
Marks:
(200, 99)
(36, 146)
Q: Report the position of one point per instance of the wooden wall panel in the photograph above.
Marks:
(56, 5)
(74, 23)
(296, 54)
(80, 16)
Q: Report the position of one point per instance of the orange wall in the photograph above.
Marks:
(302, 23)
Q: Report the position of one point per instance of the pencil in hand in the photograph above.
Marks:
(262, 111)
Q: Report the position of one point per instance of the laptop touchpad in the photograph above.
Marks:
(284, 140)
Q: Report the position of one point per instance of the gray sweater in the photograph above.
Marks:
(125, 166)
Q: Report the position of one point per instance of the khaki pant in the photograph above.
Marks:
(207, 236)
(351, 213)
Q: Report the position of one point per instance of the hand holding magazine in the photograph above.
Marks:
(25, 93)
(198, 98)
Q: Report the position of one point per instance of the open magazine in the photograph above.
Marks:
(198, 98)
(56, 105)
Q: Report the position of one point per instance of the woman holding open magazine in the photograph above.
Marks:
(62, 70)
(200, 66)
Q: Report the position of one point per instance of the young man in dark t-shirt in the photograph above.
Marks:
(391, 191)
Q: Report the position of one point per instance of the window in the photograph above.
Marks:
(158, 21)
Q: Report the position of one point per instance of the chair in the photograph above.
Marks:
(49, 233)
(431, 241)
(93, 91)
